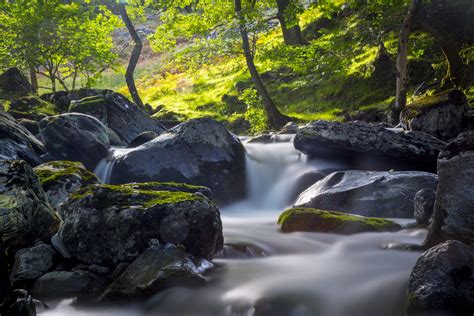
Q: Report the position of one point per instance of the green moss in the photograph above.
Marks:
(7, 201)
(159, 186)
(105, 195)
(87, 103)
(309, 219)
(53, 172)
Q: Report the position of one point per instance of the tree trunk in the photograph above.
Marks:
(291, 35)
(137, 49)
(33, 78)
(275, 118)
(402, 63)
(458, 71)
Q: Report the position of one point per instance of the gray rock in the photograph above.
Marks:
(25, 213)
(62, 99)
(440, 115)
(453, 216)
(13, 84)
(63, 284)
(75, 137)
(61, 178)
(142, 139)
(442, 280)
(16, 142)
(31, 263)
(155, 269)
(424, 205)
(200, 152)
(106, 225)
(375, 194)
(30, 125)
(364, 145)
(125, 118)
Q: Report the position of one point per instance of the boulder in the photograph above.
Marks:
(58, 284)
(16, 142)
(125, 118)
(13, 84)
(61, 178)
(30, 125)
(440, 115)
(314, 220)
(62, 99)
(5, 286)
(424, 205)
(442, 281)
(25, 213)
(155, 269)
(376, 194)
(142, 139)
(31, 263)
(365, 145)
(453, 216)
(18, 303)
(200, 152)
(75, 137)
(106, 224)
(33, 104)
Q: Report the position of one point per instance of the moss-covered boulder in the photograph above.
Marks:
(106, 224)
(25, 213)
(75, 137)
(16, 142)
(157, 268)
(33, 104)
(440, 115)
(118, 113)
(314, 220)
(13, 84)
(61, 178)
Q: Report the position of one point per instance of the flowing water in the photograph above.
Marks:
(271, 273)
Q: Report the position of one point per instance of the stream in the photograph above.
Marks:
(271, 273)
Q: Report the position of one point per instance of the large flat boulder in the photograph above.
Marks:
(442, 280)
(440, 115)
(453, 216)
(376, 194)
(118, 113)
(200, 152)
(75, 137)
(106, 225)
(17, 143)
(31, 263)
(366, 145)
(25, 213)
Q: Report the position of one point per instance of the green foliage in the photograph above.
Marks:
(255, 113)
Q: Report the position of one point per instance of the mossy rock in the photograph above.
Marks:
(315, 220)
(33, 104)
(109, 224)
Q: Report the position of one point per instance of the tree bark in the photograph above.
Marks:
(137, 49)
(402, 63)
(33, 78)
(291, 35)
(275, 118)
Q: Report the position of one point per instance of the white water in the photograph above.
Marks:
(302, 273)
(104, 168)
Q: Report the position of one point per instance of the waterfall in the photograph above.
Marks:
(104, 168)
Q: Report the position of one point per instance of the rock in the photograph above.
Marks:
(289, 128)
(314, 220)
(33, 104)
(27, 115)
(13, 84)
(440, 115)
(365, 145)
(62, 99)
(200, 152)
(106, 224)
(442, 280)
(453, 216)
(125, 118)
(75, 137)
(240, 250)
(171, 186)
(25, 213)
(424, 205)
(31, 263)
(63, 284)
(61, 178)
(30, 125)
(5, 286)
(376, 194)
(16, 142)
(304, 182)
(114, 138)
(18, 303)
(142, 139)
(155, 269)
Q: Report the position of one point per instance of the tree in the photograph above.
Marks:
(287, 15)
(59, 40)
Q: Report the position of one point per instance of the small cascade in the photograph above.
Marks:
(104, 168)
